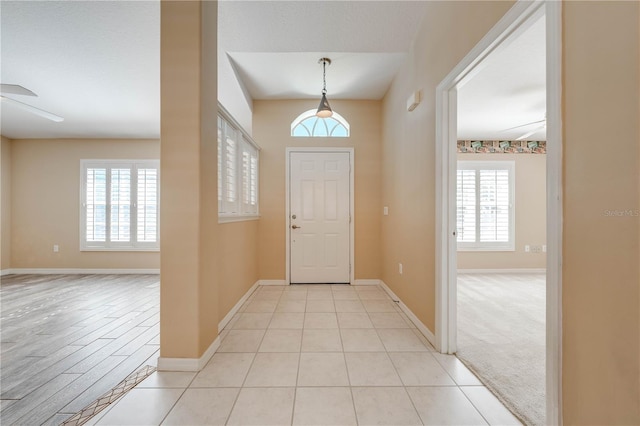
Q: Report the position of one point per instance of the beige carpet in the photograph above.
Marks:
(501, 337)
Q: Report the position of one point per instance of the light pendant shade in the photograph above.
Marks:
(324, 109)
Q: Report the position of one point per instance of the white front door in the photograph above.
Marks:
(319, 216)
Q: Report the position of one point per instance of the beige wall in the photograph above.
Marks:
(600, 308)
(238, 262)
(45, 204)
(530, 215)
(189, 262)
(272, 129)
(206, 267)
(5, 204)
(600, 297)
(448, 32)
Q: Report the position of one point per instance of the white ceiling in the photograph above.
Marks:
(509, 91)
(274, 46)
(96, 63)
(299, 76)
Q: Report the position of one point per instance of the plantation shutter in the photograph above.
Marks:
(96, 204)
(485, 213)
(120, 212)
(238, 164)
(494, 205)
(249, 178)
(220, 142)
(253, 185)
(147, 205)
(246, 177)
(230, 189)
(466, 209)
(119, 207)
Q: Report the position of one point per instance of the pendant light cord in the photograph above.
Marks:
(324, 77)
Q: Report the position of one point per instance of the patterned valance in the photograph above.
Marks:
(502, 147)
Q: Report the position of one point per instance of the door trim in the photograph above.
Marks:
(446, 131)
(320, 150)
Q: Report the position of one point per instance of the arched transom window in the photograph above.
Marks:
(308, 125)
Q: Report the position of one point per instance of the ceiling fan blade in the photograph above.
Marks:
(534, 131)
(525, 125)
(14, 89)
(33, 110)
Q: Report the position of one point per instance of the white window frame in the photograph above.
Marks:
(245, 179)
(132, 244)
(491, 245)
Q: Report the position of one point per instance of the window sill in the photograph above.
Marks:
(231, 219)
(493, 249)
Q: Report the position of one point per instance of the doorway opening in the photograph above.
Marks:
(501, 221)
(319, 215)
(515, 21)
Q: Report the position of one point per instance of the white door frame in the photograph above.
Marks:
(515, 20)
(322, 150)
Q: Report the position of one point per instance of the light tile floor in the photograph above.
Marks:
(316, 354)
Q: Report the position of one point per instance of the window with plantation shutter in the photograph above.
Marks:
(95, 204)
(238, 163)
(119, 205)
(249, 179)
(147, 206)
(220, 170)
(485, 211)
(230, 191)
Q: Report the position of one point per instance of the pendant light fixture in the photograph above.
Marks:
(324, 110)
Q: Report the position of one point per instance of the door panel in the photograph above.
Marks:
(319, 215)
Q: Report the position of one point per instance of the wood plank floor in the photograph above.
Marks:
(67, 339)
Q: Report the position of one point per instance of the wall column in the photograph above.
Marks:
(188, 165)
(600, 276)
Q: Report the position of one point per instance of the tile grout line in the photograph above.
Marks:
(344, 357)
(235, 401)
(295, 389)
(184, 390)
(474, 406)
(404, 387)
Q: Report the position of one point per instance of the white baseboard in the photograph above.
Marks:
(366, 282)
(189, 364)
(223, 323)
(67, 271)
(414, 319)
(272, 282)
(503, 271)
(197, 364)
(4, 272)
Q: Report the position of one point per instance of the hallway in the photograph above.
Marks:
(315, 355)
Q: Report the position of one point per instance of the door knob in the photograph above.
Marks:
(295, 226)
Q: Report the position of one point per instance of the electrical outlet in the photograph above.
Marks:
(544, 248)
(56, 248)
(400, 268)
(527, 248)
(536, 249)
